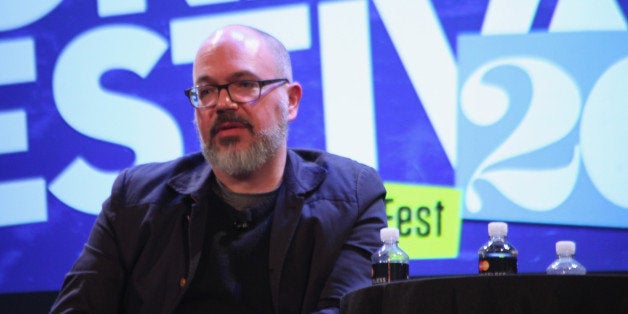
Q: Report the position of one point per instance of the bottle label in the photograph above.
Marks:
(497, 265)
(387, 272)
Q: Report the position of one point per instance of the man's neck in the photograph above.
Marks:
(265, 179)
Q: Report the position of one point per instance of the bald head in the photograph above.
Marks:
(244, 139)
(257, 44)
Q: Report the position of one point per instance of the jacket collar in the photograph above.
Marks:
(300, 176)
(191, 176)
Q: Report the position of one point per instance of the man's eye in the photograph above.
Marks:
(204, 91)
(246, 84)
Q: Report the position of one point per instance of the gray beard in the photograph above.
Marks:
(241, 162)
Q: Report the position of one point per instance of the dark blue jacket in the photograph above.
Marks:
(146, 243)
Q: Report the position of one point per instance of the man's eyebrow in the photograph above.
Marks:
(241, 75)
(203, 80)
(232, 78)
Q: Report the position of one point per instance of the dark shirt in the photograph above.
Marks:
(232, 275)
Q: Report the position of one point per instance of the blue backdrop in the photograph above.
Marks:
(520, 106)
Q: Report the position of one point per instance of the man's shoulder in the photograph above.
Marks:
(328, 160)
(151, 181)
(334, 171)
(164, 169)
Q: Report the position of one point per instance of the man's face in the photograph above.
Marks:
(239, 138)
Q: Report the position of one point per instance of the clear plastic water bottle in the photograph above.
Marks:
(390, 262)
(497, 256)
(566, 264)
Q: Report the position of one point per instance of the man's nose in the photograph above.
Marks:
(224, 101)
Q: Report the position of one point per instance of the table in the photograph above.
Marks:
(494, 294)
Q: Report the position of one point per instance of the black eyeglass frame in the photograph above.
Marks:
(189, 92)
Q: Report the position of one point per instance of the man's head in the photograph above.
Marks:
(238, 137)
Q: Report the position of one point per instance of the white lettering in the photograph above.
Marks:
(603, 129)
(15, 14)
(509, 17)
(347, 78)
(290, 24)
(195, 3)
(553, 94)
(23, 201)
(14, 128)
(133, 122)
(120, 7)
(587, 15)
(422, 46)
(17, 61)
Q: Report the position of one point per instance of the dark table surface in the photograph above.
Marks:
(494, 294)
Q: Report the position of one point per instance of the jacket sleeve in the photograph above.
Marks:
(352, 269)
(95, 282)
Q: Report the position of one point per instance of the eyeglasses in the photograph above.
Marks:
(206, 95)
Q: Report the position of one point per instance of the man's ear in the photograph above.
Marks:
(294, 99)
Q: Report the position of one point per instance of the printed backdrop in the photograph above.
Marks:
(472, 111)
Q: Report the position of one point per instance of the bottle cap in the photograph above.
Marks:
(389, 234)
(497, 229)
(565, 248)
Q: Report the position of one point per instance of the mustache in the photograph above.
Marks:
(229, 117)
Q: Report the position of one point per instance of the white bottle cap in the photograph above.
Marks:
(389, 234)
(497, 229)
(565, 248)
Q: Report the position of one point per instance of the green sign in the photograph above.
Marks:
(428, 219)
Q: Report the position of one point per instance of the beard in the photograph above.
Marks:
(234, 161)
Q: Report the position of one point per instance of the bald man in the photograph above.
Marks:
(245, 226)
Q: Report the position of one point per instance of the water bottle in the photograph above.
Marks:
(390, 262)
(565, 264)
(497, 256)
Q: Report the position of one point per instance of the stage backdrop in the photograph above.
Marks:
(471, 111)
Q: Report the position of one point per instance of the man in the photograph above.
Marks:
(249, 226)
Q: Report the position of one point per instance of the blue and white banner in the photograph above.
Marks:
(541, 120)
(519, 105)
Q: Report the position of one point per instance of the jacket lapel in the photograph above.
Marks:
(192, 182)
(300, 178)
